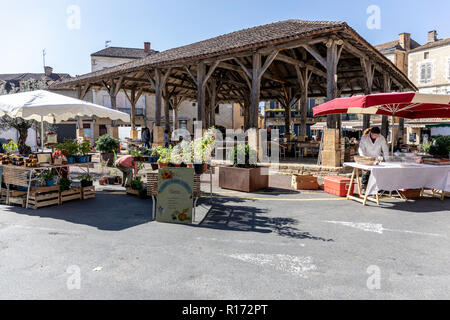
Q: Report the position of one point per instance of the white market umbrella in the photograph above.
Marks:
(53, 108)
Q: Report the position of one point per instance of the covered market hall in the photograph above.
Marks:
(288, 61)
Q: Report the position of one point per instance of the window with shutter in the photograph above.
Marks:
(426, 72)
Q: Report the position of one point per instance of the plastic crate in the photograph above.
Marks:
(338, 186)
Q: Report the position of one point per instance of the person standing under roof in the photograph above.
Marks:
(374, 145)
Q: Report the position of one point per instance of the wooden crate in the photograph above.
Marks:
(304, 182)
(132, 192)
(88, 193)
(69, 195)
(43, 197)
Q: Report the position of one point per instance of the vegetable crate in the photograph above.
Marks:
(43, 197)
(88, 193)
(69, 195)
(12, 194)
(132, 192)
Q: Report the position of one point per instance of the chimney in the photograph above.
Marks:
(432, 36)
(405, 41)
(147, 47)
(48, 71)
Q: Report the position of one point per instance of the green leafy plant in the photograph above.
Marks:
(10, 147)
(87, 178)
(107, 144)
(165, 155)
(65, 184)
(439, 147)
(137, 184)
(84, 148)
(242, 155)
(46, 175)
(68, 147)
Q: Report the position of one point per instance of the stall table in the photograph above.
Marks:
(392, 177)
(23, 176)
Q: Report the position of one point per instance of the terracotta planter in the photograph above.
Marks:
(241, 179)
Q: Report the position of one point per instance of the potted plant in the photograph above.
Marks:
(108, 146)
(439, 147)
(244, 175)
(10, 148)
(86, 181)
(65, 184)
(47, 178)
(83, 151)
(138, 185)
(69, 149)
(59, 158)
(202, 149)
(165, 157)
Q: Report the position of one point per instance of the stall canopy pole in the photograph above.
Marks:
(393, 133)
(42, 133)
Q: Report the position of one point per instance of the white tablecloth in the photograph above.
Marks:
(393, 176)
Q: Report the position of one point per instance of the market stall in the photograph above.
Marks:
(401, 171)
(395, 176)
(30, 188)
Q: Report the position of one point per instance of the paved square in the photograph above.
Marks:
(275, 245)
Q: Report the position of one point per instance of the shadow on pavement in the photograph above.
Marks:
(109, 211)
(423, 205)
(226, 214)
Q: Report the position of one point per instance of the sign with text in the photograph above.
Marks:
(175, 195)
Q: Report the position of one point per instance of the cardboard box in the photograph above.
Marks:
(304, 182)
(331, 158)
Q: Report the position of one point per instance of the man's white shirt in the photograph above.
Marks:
(373, 150)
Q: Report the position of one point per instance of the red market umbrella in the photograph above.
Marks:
(409, 105)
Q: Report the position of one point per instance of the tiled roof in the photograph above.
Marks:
(430, 45)
(117, 52)
(395, 45)
(235, 42)
(33, 76)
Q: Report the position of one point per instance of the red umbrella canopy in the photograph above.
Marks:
(409, 105)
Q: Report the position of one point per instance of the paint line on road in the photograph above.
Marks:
(249, 242)
(279, 199)
(378, 228)
(298, 266)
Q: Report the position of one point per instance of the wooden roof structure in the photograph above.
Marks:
(285, 61)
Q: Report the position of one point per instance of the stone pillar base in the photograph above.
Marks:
(133, 134)
(158, 136)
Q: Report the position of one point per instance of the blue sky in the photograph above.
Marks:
(28, 26)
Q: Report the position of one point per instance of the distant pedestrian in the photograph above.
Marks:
(166, 139)
(146, 137)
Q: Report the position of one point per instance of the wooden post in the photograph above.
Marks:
(304, 77)
(369, 74)
(158, 97)
(133, 99)
(385, 119)
(166, 111)
(212, 103)
(201, 72)
(256, 91)
(332, 62)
